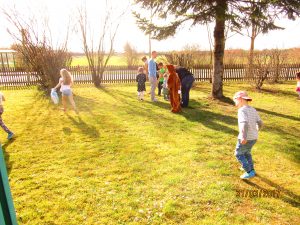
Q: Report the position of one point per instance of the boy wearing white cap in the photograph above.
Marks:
(249, 122)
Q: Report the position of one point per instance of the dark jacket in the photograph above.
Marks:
(182, 72)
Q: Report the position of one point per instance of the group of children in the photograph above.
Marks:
(162, 82)
(249, 121)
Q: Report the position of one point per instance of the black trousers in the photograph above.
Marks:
(160, 86)
(186, 85)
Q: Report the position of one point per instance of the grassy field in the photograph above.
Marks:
(121, 161)
(116, 60)
(231, 56)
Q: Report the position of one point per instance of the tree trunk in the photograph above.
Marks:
(250, 72)
(251, 51)
(218, 67)
(150, 50)
(95, 77)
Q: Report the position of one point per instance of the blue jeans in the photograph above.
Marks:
(186, 85)
(243, 154)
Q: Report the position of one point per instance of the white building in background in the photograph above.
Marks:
(7, 58)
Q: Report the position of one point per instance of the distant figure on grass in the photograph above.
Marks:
(141, 87)
(65, 83)
(174, 89)
(165, 87)
(161, 73)
(145, 61)
(298, 84)
(186, 79)
(249, 122)
(152, 69)
(10, 134)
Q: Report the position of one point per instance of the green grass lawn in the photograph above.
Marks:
(121, 161)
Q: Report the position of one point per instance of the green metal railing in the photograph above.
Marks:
(7, 212)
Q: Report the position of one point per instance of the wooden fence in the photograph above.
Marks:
(10, 77)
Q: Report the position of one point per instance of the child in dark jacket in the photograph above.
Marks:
(141, 80)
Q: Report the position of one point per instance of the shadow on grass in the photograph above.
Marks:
(9, 164)
(195, 113)
(85, 128)
(67, 130)
(290, 141)
(193, 104)
(207, 90)
(85, 104)
(139, 109)
(124, 97)
(211, 120)
(41, 95)
(82, 103)
(227, 100)
(285, 191)
(202, 88)
(280, 92)
(278, 114)
(161, 103)
(285, 195)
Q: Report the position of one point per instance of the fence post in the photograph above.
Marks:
(7, 212)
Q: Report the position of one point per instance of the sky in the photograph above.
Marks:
(62, 13)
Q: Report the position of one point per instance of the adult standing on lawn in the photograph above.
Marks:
(152, 70)
(187, 79)
(174, 89)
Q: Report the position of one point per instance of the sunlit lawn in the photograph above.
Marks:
(121, 161)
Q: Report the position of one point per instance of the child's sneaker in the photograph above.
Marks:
(248, 175)
(10, 136)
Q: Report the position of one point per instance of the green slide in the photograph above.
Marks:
(7, 212)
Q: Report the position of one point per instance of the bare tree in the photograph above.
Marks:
(98, 50)
(293, 55)
(181, 58)
(131, 55)
(278, 58)
(36, 49)
(256, 26)
(261, 68)
(198, 57)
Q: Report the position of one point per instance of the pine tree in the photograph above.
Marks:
(236, 13)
